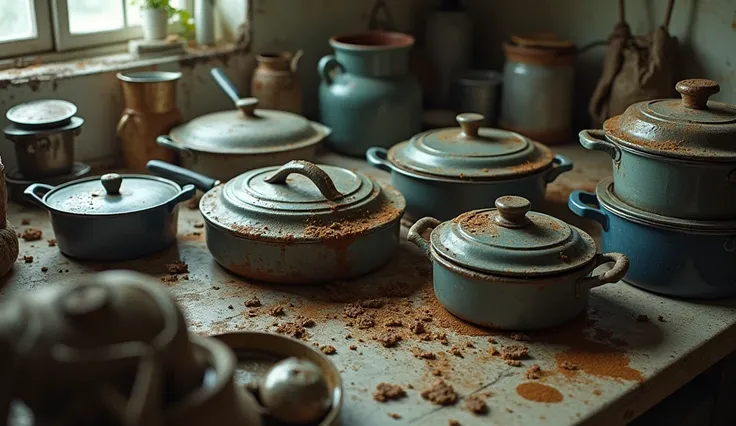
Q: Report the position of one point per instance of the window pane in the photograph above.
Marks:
(16, 20)
(92, 16)
(134, 12)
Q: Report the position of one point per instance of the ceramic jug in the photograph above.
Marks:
(275, 82)
(150, 111)
(367, 95)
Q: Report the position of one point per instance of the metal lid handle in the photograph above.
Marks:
(512, 211)
(112, 182)
(696, 91)
(470, 124)
(247, 106)
(318, 176)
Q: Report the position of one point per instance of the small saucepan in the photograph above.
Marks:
(298, 223)
(511, 269)
(113, 217)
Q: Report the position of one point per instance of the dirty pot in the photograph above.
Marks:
(509, 268)
(227, 143)
(445, 172)
(298, 223)
(674, 257)
(113, 217)
(674, 157)
(367, 95)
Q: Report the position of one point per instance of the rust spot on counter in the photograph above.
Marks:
(598, 360)
(539, 392)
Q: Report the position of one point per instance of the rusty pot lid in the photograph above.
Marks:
(42, 114)
(471, 152)
(111, 194)
(691, 127)
(248, 131)
(301, 201)
(14, 132)
(510, 240)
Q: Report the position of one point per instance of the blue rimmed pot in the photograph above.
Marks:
(445, 172)
(673, 257)
(112, 217)
(512, 269)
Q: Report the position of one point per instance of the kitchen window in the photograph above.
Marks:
(35, 26)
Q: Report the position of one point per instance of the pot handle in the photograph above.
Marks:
(585, 204)
(415, 233)
(186, 193)
(613, 275)
(166, 142)
(594, 140)
(36, 191)
(181, 175)
(560, 165)
(326, 65)
(377, 158)
(319, 177)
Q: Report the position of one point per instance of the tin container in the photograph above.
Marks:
(478, 91)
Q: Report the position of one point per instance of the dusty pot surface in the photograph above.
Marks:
(112, 217)
(510, 268)
(445, 172)
(674, 157)
(675, 257)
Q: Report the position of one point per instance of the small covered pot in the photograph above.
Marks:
(512, 269)
(445, 172)
(112, 217)
(674, 157)
(675, 257)
(227, 143)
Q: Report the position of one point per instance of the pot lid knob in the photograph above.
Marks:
(85, 300)
(470, 124)
(695, 92)
(247, 106)
(112, 182)
(512, 211)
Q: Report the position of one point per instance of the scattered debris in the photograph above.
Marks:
(276, 311)
(230, 307)
(423, 355)
(394, 416)
(513, 362)
(514, 352)
(469, 345)
(453, 422)
(199, 225)
(491, 340)
(214, 287)
(32, 234)
(28, 259)
(476, 405)
(51, 242)
(305, 322)
(372, 303)
(44, 269)
(291, 329)
(25, 222)
(437, 373)
(533, 372)
(567, 365)
(353, 311)
(418, 328)
(387, 391)
(393, 322)
(642, 318)
(353, 347)
(365, 323)
(661, 319)
(456, 351)
(494, 351)
(328, 350)
(440, 394)
(521, 337)
(177, 267)
(253, 302)
(388, 339)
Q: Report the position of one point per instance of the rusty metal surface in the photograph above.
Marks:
(624, 364)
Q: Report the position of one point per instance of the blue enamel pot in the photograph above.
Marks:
(670, 256)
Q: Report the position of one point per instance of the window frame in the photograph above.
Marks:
(42, 42)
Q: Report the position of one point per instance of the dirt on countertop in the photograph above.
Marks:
(387, 392)
(328, 350)
(32, 234)
(538, 392)
(177, 267)
(475, 404)
(440, 393)
(514, 352)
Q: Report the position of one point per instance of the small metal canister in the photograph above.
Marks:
(477, 91)
(538, 85)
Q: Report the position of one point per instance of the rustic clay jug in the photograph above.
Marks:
(8, 237)
(150, 111)
(275, 82)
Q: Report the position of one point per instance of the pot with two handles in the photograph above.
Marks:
(512, 269)
(298, 223)
(113, 217)
(445, 172)
(227, 143)
(674, 157)
(674, 257)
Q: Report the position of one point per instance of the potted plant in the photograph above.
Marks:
(155, 15)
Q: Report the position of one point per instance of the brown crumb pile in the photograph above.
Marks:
(352, 310)
(642, 318)
(423, 355)
(493, 351)
(177, 267)
(51, 242)
(456, 351)
(253, 303)
(372, 303)
(453, 422)
(533, 372)
(521, 337)
(476, 405)
(328, 350)
(569, 366)
(32, 234)
(25, 222)
(353, 347)
(388, 339)
(491, 340)
(28, 259)
(305, 322)
(395, 416)
(393, 322)
(514, 352)
(291, 329)
(276, 311)
(440, 394)
(418, 328)
(513, 362)
(661, 319)
(44, 269)
(387, 392)
(365, 323)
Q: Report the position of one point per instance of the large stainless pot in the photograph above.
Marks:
(299, 223)
(673, 157)
(113, 217)
(445, 172)
(509, 268)
(227, 143)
